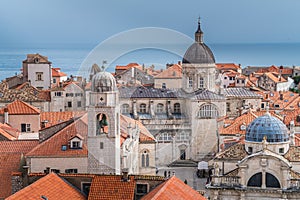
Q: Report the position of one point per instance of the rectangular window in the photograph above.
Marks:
(164, 85)
(228, 107)
(262, 105)
(71, 171)
(25, 128)
(78, 104)
(58, 94)
(54, 80)
(39, 76)
(281, 150)
(69, 94)
(141, 188)
(190, 82)
(75, 145)
(201, 82)
(78, 94)
(69, 104)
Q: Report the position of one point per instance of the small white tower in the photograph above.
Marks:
(103, 125)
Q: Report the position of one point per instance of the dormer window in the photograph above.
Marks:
(76, 142)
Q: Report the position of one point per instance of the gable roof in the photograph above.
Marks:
(31, 58)
(20, 108)
(57, 73)
(111, 187)
(52, 146)
(54, 118)
(51, 186)
(173, 188)
(11, 154)
(8, 132)
(175, 71)
(145, 135)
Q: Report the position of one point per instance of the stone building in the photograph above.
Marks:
(37, 70)
(183, 120)
(265, 167)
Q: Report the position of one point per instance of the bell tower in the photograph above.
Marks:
(104, 125)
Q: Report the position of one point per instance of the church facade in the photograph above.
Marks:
(183, 121)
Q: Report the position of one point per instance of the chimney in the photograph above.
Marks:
(125, 175)
(6, 115)
(47, 170)
(281, 96)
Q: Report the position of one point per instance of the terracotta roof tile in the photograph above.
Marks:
(235, 152)
(112, 187)
(173, 188)
(52, 146)
(175, 71)
(10, 157)
(54, 118)
(51, 186)
(145, 135)
(288, 99)
(226, 66)
(20, 108)
(57, 73)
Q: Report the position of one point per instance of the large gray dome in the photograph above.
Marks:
(198, 53)
(271, 127)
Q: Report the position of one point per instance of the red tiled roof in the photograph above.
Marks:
(20, 108)
(145, 135)
(51, 186)
(288, 99)
(54, 118)
(275, 77)
(173, 188)
(52, 146)
(235, 126)
(57, 73)
(225, 66)
(8, 132)
(130, 65)
(105, 187)
(175, 71)
(10, 158)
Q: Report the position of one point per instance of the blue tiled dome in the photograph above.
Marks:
(266, 125)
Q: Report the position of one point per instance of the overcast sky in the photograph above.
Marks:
(92, 21)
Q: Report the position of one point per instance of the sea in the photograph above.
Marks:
(70, 57)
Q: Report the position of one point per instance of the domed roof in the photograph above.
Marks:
(198, 53)
(103, 82)
(269, 126)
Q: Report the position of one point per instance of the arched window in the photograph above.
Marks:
(102, 124)
(177, 108)
(125, 108)
(208, 111)
(145, 158)
(255, 180)
(272, 181)
(201, 82)
(142, 108)
(160, 108)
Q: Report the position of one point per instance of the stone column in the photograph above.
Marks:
(135, 115)
(263, 179)
(152, 113)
